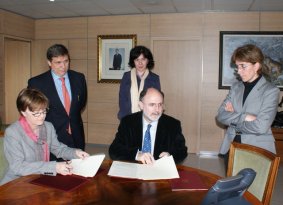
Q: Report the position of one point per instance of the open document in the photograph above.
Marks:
(87, 167)
(164, 168)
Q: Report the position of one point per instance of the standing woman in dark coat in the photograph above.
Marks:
(139, 78)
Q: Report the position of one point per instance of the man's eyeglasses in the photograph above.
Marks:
(242, 66)
(38, 114)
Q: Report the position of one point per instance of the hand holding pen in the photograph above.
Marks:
(64, 168)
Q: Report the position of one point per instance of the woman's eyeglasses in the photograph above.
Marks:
(38, 114)
(242, 66)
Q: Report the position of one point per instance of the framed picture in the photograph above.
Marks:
(271, 44)
(113, 55)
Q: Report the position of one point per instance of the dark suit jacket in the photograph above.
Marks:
(117, 61)
(128, 140)
(57, 114)
(125, 104)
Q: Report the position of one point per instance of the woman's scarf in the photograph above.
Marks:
(33, 137)
(135, 91)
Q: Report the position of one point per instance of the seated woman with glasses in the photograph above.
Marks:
(251, 104)
(29, 141)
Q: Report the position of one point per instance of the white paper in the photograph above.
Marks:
(164, 168)
(123, 169)
(87, 167)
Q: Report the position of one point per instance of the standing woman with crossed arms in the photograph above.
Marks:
(251, 105)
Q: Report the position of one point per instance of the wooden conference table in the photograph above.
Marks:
(105, 190)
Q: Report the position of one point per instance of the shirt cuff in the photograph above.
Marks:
(136, 158)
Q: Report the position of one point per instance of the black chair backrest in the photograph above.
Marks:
(231, 189)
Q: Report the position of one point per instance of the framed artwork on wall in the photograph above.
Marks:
(113, 55)
(271, 44)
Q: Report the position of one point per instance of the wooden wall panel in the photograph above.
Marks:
(102, 113)
(181, 88)
(78, 48)
(230, 21)
(176, 25)
(16, 25)
(101, 133)
(144, 40)
(271, 21)
(108, 25)
(79, 66)
(18, 28)
(179, 75)
(17, 72)
(104, 93)
(92, 72)
(65, 28)
(92, 48)
(1, 21)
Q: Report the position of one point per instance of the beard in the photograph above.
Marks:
(153, 117)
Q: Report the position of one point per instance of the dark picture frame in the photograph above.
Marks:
(271, 44)
(113, 55)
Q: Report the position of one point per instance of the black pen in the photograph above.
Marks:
(68, 162)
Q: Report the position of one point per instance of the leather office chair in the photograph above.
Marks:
(264, 162)
(230, 190)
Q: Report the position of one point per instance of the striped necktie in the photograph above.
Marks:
(147, 140)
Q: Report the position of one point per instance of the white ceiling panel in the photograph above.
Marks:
(192, 5)
(232, 5)
(117, 4)
(118, 7)
(54, 10)
(39, 9)
(28, 10)
(88, 8)
(271, 5)
(155, 6)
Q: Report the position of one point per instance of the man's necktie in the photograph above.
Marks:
(67, 102)
(147, 140)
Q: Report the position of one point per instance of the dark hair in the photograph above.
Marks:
(248, 53)
(144, 91)
(136, 52)
(57, 50)
(32, 99)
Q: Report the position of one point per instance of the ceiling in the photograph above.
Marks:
(41, 9)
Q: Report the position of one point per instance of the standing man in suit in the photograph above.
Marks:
(251, 104)
(149, 134)
(117, 60)
(67, 93)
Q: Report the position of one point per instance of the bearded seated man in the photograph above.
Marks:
(148, 135)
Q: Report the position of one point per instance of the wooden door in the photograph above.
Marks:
(17, 73)
(178, 63)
